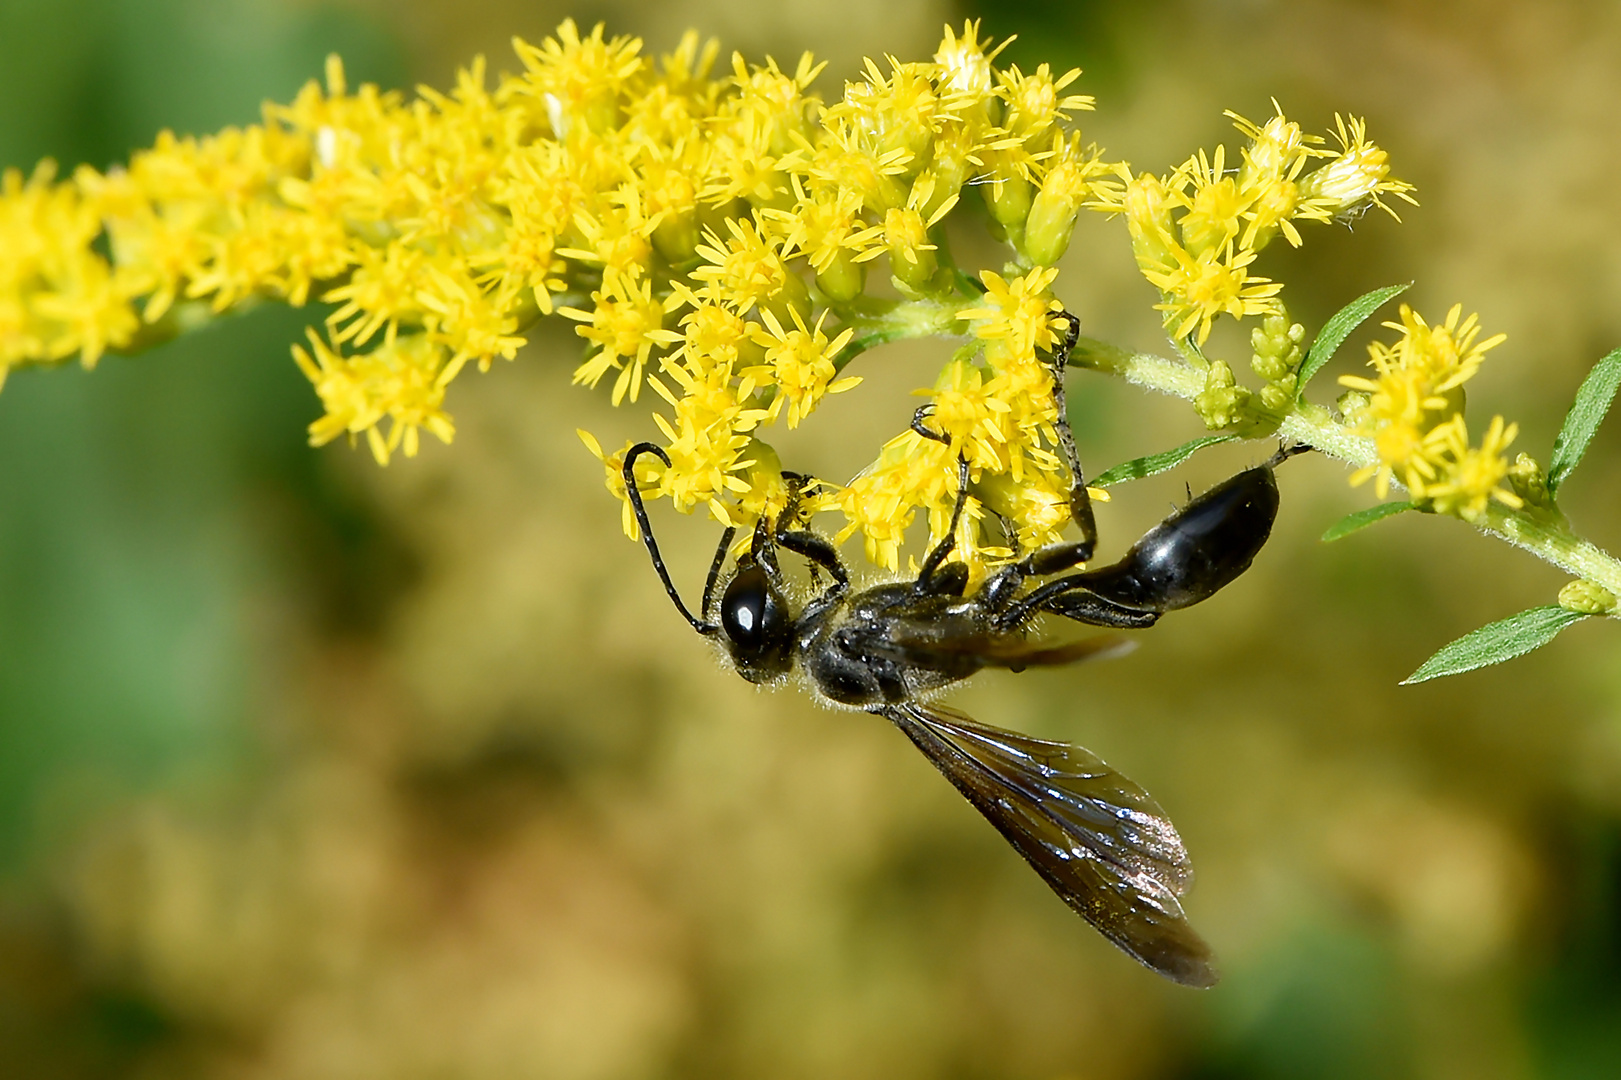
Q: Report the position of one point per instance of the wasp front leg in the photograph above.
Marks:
(819, 550)
(935, 579)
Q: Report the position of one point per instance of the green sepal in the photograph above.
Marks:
(1499, 641)
(1586, 414)
(1138, 468)
(1360, 520)
(1339, 327)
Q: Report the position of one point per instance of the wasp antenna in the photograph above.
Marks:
(646, 526)
(1286, 452)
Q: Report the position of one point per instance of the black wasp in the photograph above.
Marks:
(1100, 841)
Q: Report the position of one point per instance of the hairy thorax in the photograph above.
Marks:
(887, 644)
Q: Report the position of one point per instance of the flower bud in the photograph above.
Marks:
(1219, 403)
(1528, 480)
(676, 237)
(1276, 344)
(1051, 223)
(1148, 216)
(1008, 195)
(911, 256)
(1586, 598)
(1278, 395)
(843, 279)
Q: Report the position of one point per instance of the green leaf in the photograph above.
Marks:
(1339, 327)
(1503, 640)
(1360, 520)
(1138, 468)
(1586, 413)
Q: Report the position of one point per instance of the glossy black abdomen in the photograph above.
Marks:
(1196, 551)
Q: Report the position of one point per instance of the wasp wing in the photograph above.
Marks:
(918, 642)
(1096, 838)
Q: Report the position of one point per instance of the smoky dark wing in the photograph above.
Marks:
(921, 643)
(1096, 838)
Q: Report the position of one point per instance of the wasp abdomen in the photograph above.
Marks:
(1196, 551)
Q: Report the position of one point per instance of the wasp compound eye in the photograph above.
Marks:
(757, 624)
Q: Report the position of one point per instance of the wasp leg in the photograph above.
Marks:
(1070, 598)
(1010, 531)
(1286, 452)
(820, 551)
(1080, 500)
(820, 555)
(934, 579)
(923, 413)
(714, 569)
(763, 553)
(950, 581)
(1004, 585)
(797, 483)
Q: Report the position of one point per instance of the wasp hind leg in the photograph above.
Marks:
(1080, 500)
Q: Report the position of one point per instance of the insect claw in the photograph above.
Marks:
(923, 413)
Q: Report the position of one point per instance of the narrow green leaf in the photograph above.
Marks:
(1502, 640)
(1339, 327)
(1586, 413)
(1360, 520)
(1138, 468)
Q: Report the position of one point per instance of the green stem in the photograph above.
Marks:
(1552, 541)
(896, 320)
(1543, 535)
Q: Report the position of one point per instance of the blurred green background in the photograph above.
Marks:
(310, 769)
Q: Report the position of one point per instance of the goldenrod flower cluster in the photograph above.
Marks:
(709, 229)
(1197, 231)
(1413, 411)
